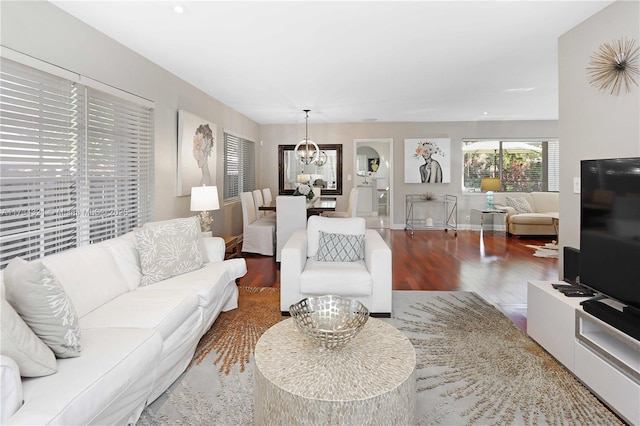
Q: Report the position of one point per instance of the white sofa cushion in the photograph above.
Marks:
(36, 295)
(73, 268)
(348, 226)
(118, 364)
(33, 357)
(340, 278)
(124, 251)
(169, 249)
(163, 310)
(10, 388)
(340, 247)
(207, 282)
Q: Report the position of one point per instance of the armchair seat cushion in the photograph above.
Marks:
(339, 278)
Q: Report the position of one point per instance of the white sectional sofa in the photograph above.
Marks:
(136, 340)
(529, 213)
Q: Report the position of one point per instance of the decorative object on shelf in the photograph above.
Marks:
(429, 196)
(204, 199)
(311, 152)
(615, 65)
(329, 321)
(196, 152)
(304, 189)
(433, 160)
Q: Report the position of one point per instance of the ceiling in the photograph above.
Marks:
(386, 61)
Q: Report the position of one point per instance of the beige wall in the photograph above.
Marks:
(43, 31)
(273, 135)
(593, 123)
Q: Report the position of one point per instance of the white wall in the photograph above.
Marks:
(593, 123)
(273, 135)
(43, 31)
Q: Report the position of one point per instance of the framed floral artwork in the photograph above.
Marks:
(427, 160)
(196, 152)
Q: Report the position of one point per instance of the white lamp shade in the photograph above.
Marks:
(204, 198)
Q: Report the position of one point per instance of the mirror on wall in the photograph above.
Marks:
(325, 174)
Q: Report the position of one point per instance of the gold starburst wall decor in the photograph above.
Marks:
(615, 65)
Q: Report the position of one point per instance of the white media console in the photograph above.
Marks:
(604, 359)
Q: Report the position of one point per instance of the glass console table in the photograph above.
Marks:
(432, 211)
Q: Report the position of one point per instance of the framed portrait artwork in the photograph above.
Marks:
(427, 160)
(196, 152)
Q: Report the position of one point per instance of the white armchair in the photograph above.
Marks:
(367, 280)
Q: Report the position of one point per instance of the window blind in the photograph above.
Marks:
(239, 166)
(59, 141)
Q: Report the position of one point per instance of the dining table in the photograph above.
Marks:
(314, 207)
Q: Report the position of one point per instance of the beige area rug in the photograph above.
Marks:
(473, 367)
(547, 250)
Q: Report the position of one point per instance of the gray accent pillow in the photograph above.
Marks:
(39, 299)
(520, 204)
(19, 342)
(340, 247)
(169, 249)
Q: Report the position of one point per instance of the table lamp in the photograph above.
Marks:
(490, 184)
(204, 199)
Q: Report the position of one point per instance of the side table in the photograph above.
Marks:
(370, 380)
(231, 246)
(492, 212)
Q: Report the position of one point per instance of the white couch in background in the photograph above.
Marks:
(136, 340)
(367, 279)
(544, 209)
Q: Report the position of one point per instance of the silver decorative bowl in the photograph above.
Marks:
(329, 321)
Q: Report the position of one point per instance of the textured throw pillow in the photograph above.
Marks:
(39, 299)
(33, 357)
(169, 249)
(520, 204)
(340, 247)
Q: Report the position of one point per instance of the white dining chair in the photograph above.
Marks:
(257, 234)
(291, 215)
(266, 195)
(268, 199)
(352, 207)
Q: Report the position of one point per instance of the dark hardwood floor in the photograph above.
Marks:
(495, 267)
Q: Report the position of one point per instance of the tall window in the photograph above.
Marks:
(523, 165)
(239, 166)
(76, 164)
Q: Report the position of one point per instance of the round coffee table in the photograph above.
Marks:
(371, 380)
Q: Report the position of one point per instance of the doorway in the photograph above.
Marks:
(374, 181)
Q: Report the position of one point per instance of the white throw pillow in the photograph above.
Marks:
(19, 342)
(39, 299)
(520, 204)
(169, 249)
(340, 247)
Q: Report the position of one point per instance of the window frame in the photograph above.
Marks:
(549, 177)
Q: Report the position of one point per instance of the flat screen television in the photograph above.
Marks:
(610, 229)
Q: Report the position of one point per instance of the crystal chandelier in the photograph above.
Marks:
(307, 151)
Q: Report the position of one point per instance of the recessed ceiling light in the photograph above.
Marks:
(178, 8)
(485, 113)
